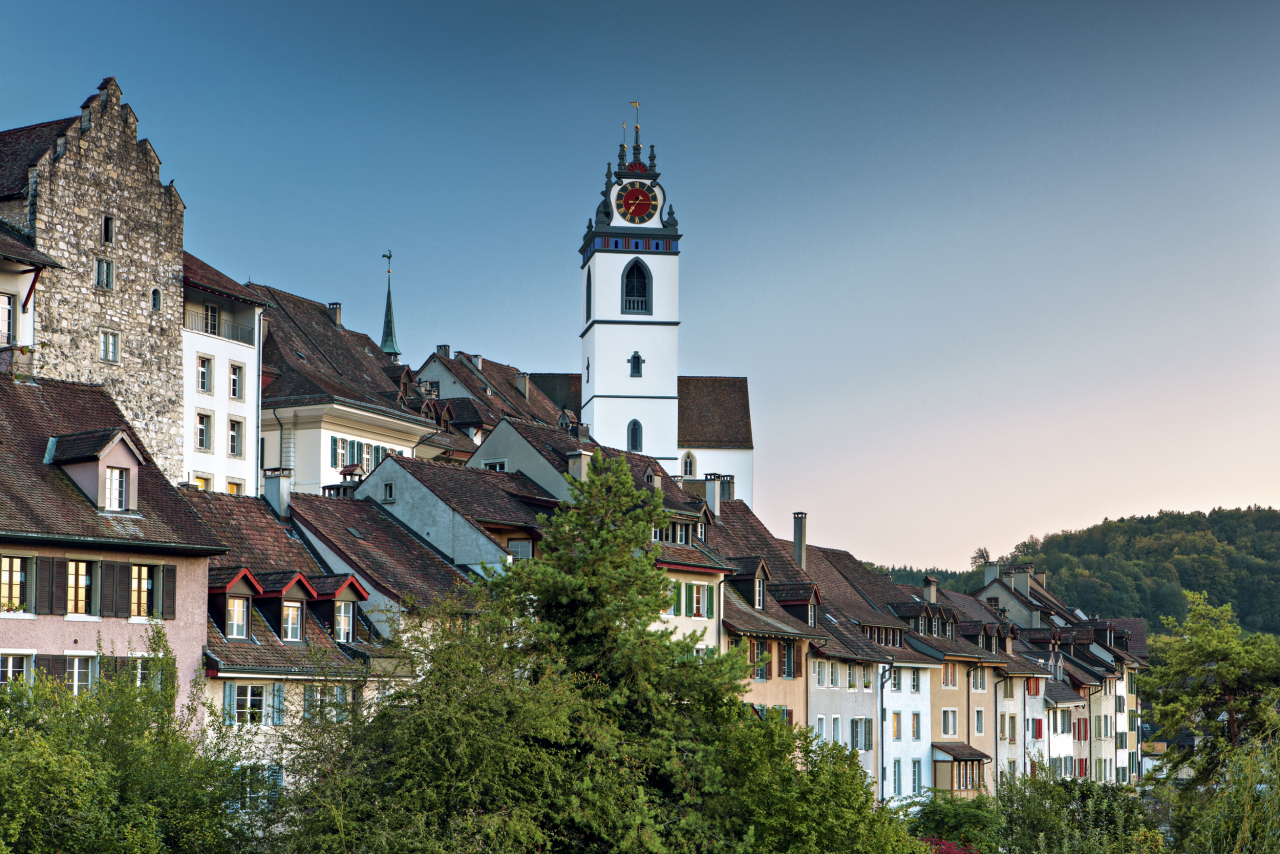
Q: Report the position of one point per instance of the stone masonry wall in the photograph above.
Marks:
(107, 171)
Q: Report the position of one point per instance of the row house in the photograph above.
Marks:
(95, 543)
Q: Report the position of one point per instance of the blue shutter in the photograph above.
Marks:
(228, 703)
(277, 704)
(333, 452)
(308, 701)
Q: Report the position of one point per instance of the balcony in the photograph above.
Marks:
(16, 360)
(635, 305)
(199, 321)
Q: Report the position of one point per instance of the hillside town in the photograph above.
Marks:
(231, 459)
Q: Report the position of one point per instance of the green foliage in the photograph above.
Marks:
(1241, 810)
(1047, 815)
(969, 821)
(549, 711)
(1139, 566)
(120, 769)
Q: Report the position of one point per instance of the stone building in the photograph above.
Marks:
(86, 192)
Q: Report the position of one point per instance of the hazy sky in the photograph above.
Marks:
(993, 269)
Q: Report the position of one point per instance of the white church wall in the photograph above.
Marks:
(739, 463)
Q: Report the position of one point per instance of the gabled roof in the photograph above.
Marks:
(89, 445)
(1061, 694)
(21, 148)
(739, 533)
(740, 618)
(40, 501)
(843, 628)
(319, 655)
(960, 750)
(479, 495)
(1137, 628)
(715, 412)
(321, 362)
(284, 581)
(223, 579)
(822, 565)
(692, 556)
(467, 412)
(329, 586)
(197, 274)
(257, 539)
(396, 561)
(494, 384)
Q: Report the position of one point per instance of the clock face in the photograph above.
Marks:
(636, 202)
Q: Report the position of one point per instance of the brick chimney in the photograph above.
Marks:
(931, 589)
(800, 536)
(335, 313)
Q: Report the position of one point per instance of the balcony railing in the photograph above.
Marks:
(198, 321)
(638, 304)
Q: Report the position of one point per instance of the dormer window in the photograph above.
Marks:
(237, 617)
(812, 609)
(117, 488)
(759, 594)
(935, 627)
(291, 621)
(342, 620)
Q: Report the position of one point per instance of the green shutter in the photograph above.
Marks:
(277, 704)
(675, 595)
(333, 452)
(711, 601)
(228, 703)
(688, 599)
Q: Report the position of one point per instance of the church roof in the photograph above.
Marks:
(715, 412)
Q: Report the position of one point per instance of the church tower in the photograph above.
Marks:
(631, 312)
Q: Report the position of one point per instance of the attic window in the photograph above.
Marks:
(60, 148)
(108, 229)
(355, 533)
(300, 355)
(117, 489)
(759, 594)
(829, 617)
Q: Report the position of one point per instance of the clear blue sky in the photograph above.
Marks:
(992, 269)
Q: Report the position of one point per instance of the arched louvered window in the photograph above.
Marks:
(635, 437)
(688, 465)
(637, 296)
(588, 296)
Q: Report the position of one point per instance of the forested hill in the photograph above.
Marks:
(1138, 567)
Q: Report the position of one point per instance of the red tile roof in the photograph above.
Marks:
(1137, 634)
(480, 495)
(320, 654)
(772, 620)
(21, 148)
(256, 538)
(715, 412)
(40, 500)
(494, 385)
(15, 247)
(396, 561)
(198, 274)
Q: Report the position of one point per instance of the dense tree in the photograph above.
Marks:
(973, 822)
(1044, 814)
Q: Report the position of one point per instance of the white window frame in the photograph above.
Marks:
(343, 621)
(979, 722)
(917, 726)
(820, 673)
(249, 708)
(204, 374)
(235, 438)
(835, 729)
(915, 680)
(75, 671)
(7, 659)
(243, 625)
(117, 488)
(821, 727)
(109, 346)
(699, 602)
(897, 778)
(204, 431)
(495, 465)
(235, 381)
(895, 726)
(979, 680)
(759, 594)
(895, 679)
(950, 722)
(291, 630)
(917, 776)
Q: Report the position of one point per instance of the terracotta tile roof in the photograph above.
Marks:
(21, 148)
(198, 274)
(15, 247)
(878, 589)
(739, 533)
(792, 591)
(1061, 693)
(40, 500)
(1137, 628)
(715, 412)
(494, 384)
(256, 538)
(319, 654)
(960, 750)
(320, 362)
(971, 606)
(693, 555)
(452, 440)
(471, 413)
(845, 629)
(396, 562)
(741, 618)
(480, 495)
(278, 582)
(820, 565)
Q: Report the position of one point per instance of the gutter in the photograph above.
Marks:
(135, 545)
(884, 760)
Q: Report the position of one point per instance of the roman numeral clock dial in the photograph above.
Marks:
(636, 202)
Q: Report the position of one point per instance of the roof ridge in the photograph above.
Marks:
(39, 124)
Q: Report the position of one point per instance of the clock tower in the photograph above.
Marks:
(631, 312)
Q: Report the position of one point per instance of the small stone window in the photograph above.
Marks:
(60, 147)
(108, 229)
(689, 465)
(637, 364)
(155, 299)
(84, 120)
(106, 274)
(635, 437)
(110, 346)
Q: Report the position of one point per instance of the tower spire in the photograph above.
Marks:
(389, 345)
(637, 149)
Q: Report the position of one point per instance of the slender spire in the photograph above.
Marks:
(389, 345)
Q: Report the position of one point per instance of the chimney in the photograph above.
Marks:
(800, 539)
(713, 493)
(581, 432)
(579, 464)
(1035, 618)
(1022, 581)
(335, 313)
(478, 361)
(990, 572)
(278, 486)
(1042, 578)
(444, 351)
(522, 384)
(931, 589)
(726, 487)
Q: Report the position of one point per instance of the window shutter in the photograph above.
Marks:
(789, 723)
(58, 669)
(124, 577)
(59, 586)
(277, 704)
(868, 733)
(768, 665)
(308, 701)
(675, 606)
(751, 652)
(169, 609)
(711, 601)
(45, 663)
(333, 452)
(107, 667)
(688, 599)
(107, 590)
(228, 703)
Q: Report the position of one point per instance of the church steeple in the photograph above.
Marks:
(389, 345)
